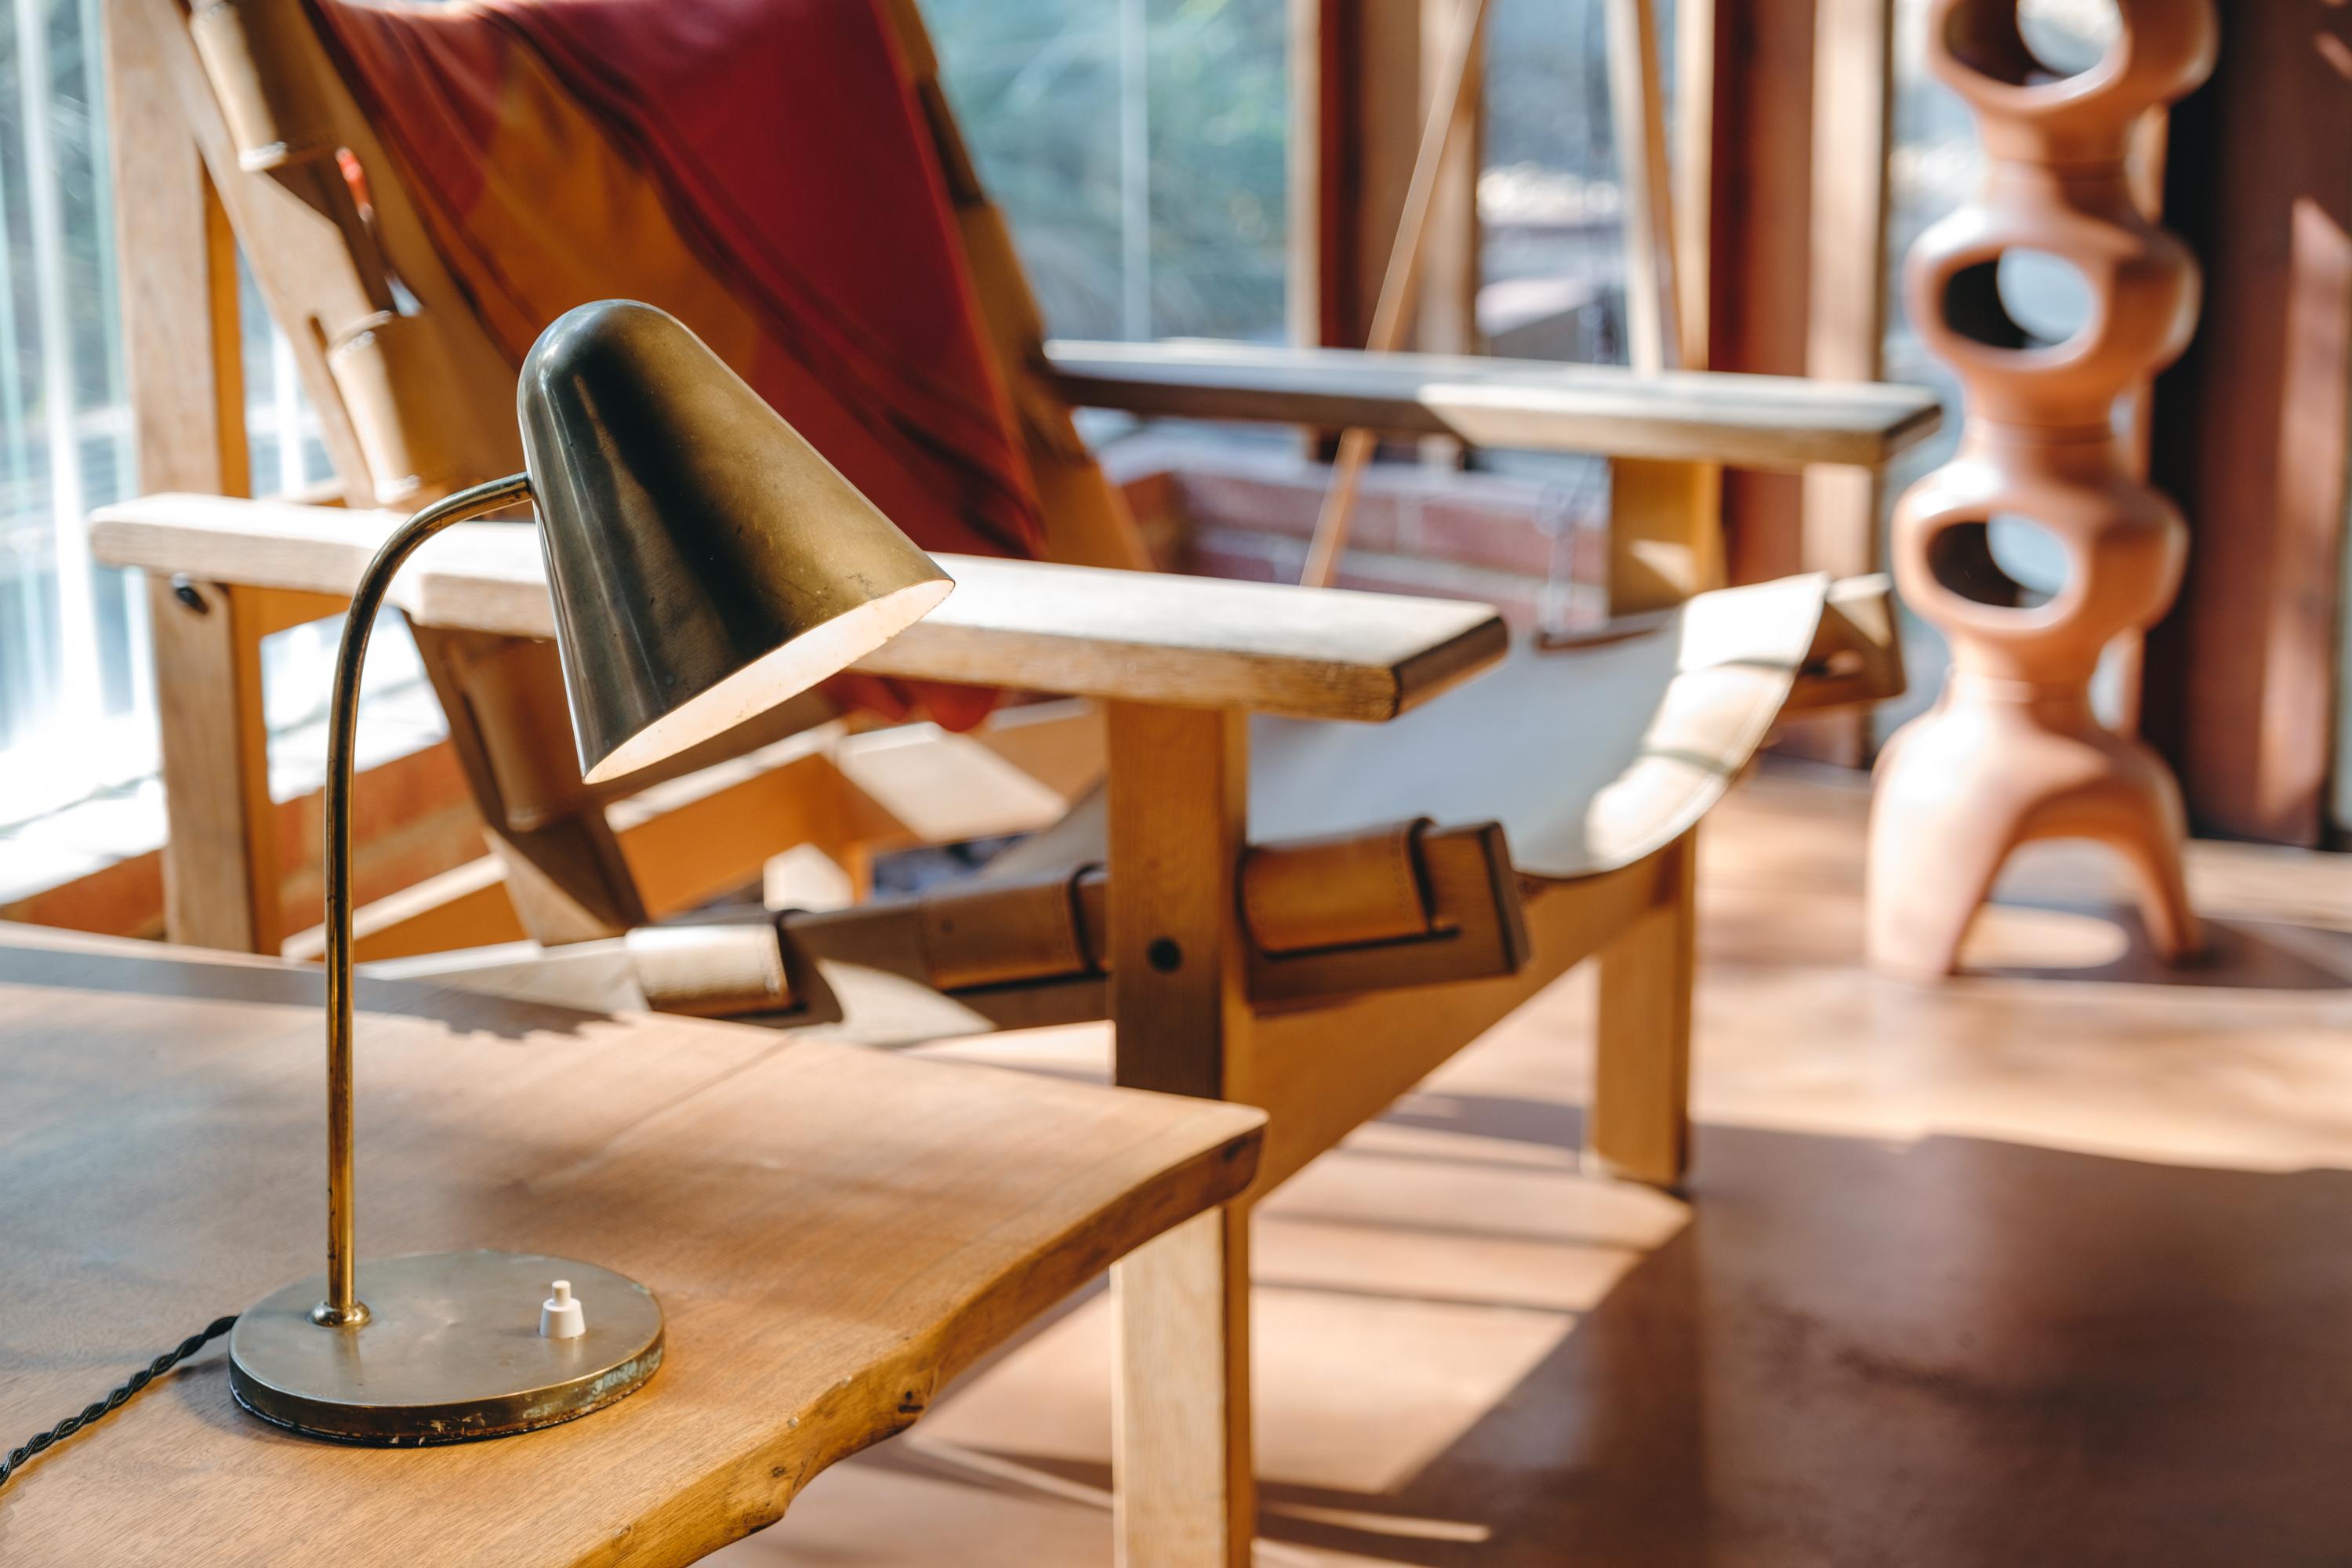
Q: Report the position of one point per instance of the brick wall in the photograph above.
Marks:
(1247, 509)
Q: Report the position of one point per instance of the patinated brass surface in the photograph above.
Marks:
(340, 1303)
(450, 1350)
(705, 561)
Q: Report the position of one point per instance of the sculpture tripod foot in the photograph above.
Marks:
(1993, 769)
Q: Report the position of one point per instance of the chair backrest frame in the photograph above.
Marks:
(414, 396)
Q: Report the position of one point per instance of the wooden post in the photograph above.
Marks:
(1178, 806)
(1354, 64)
(1759, 235)
(1697, 40)
(1853, 109)
(187, 397)
(1446, 151)
(1640, 1127)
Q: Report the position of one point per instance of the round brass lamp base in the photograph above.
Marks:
(450, 1350)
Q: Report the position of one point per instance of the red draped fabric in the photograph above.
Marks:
(759, 168)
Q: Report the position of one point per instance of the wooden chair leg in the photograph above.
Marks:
(1639, 1126)
(565, 872)
(1178, 795)
(220, 860)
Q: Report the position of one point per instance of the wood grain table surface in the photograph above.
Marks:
(833, 1233)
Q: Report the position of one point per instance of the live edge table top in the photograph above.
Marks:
(833, 1233)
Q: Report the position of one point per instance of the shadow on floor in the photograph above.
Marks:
(2239, 954)
(1957, 1350)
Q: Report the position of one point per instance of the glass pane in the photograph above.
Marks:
(77, 705)
(1551, 237)
(1551, 231)
(73, 660)
(1137, 148)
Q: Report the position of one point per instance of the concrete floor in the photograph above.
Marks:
(2050, 1263)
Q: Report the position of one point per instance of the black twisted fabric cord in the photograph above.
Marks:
(138, 1380)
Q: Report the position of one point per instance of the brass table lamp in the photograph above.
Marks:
(706, 564)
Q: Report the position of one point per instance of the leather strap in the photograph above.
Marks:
(1337, 891)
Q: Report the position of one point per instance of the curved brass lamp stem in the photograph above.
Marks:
(342, 1307)
(704, 562)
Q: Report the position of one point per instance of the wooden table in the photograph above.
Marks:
(833, 1234)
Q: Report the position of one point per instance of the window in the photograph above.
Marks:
(1551, 237)
(1137, 148)
(77, 715)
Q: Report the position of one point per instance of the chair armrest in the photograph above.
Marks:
(1751, 421)
(1143, 636)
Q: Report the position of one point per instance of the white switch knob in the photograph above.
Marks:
(560, 1317)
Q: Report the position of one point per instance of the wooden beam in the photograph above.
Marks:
(2128, 658)
(1396, 1039)
(1321, 293)
(1853, 69)
(1449, 126)
(1446, 319)
(2254, 428)
(1355, 65)
(272, 219)
(1760, 229)
(1697, 45)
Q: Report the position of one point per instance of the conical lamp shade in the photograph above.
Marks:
(705, 562)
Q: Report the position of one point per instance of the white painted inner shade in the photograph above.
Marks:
(814, 656)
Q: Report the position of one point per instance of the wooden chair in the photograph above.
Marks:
(414, 401)
(1312, 935)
